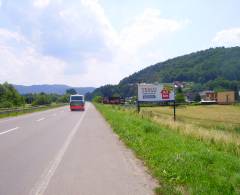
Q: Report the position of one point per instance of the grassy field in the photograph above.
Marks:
(214, 124)
(183, 164)
(221, 117)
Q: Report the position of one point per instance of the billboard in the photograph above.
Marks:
(155, 92)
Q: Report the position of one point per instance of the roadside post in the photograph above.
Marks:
(138, 106)
(154, 93)
(174, 110)
(174, 104)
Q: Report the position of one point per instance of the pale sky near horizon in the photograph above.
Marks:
(97, 42)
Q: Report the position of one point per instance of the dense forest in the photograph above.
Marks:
(9, 97)
(212, 69)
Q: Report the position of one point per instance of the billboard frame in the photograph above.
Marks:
(158, 86)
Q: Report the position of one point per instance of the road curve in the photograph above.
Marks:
(58, 152)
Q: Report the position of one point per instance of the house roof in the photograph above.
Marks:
(205, 92)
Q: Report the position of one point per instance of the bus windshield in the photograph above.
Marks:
(73, 98)
(76, 103)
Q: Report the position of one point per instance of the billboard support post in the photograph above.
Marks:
(138, 106)
(174, 110)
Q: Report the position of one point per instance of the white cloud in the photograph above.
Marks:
(73, 42)
(146, 28)
(21, 63)
(228, 37)
(41, 3)
(6, 35)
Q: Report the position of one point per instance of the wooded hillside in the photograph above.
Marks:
(215, 69)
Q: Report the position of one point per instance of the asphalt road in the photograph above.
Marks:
(58, 152)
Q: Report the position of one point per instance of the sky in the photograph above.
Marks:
(97, 42)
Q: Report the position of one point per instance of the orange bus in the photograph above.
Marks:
(77, 102)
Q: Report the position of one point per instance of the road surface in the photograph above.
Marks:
(58, 152)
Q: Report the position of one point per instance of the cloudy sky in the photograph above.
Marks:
(96, 42)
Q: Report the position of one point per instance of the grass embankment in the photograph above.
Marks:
(181, 164)
(23, 111)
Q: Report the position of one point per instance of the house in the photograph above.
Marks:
(178, 84)
(227, 97)
(208, 97)
(191, 97)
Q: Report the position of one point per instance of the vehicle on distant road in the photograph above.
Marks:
(113, 100)
(77, 102)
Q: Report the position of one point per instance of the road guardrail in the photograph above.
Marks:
(27, 109)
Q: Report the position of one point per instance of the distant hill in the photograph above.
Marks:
(215, 68)
(58, 89)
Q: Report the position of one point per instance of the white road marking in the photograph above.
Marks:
(42, 184)
(41, 119)
(8, 131)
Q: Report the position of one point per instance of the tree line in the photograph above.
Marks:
(9, 97)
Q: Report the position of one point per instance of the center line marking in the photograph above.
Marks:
(38, 120)
(8, 131)
(42, 184)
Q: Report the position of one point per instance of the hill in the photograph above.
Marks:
(58, 89)
(214, 68)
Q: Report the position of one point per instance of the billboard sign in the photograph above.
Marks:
(155, 92)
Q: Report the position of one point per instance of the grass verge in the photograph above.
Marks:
(181, 164)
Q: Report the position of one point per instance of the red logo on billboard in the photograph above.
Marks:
(165, 94)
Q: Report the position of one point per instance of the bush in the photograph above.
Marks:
(6, 104)
(180, 98)
(97, 99)
(41, 99)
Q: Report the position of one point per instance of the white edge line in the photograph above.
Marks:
(41, 186)
(8, 131)
(38, 120)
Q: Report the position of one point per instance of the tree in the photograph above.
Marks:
(71, 91)
(29, 98)
(64, 98)
(97, 99)
(180, 98)
(41, 99)
(9, 96)
(88, 96)
(236, 91)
